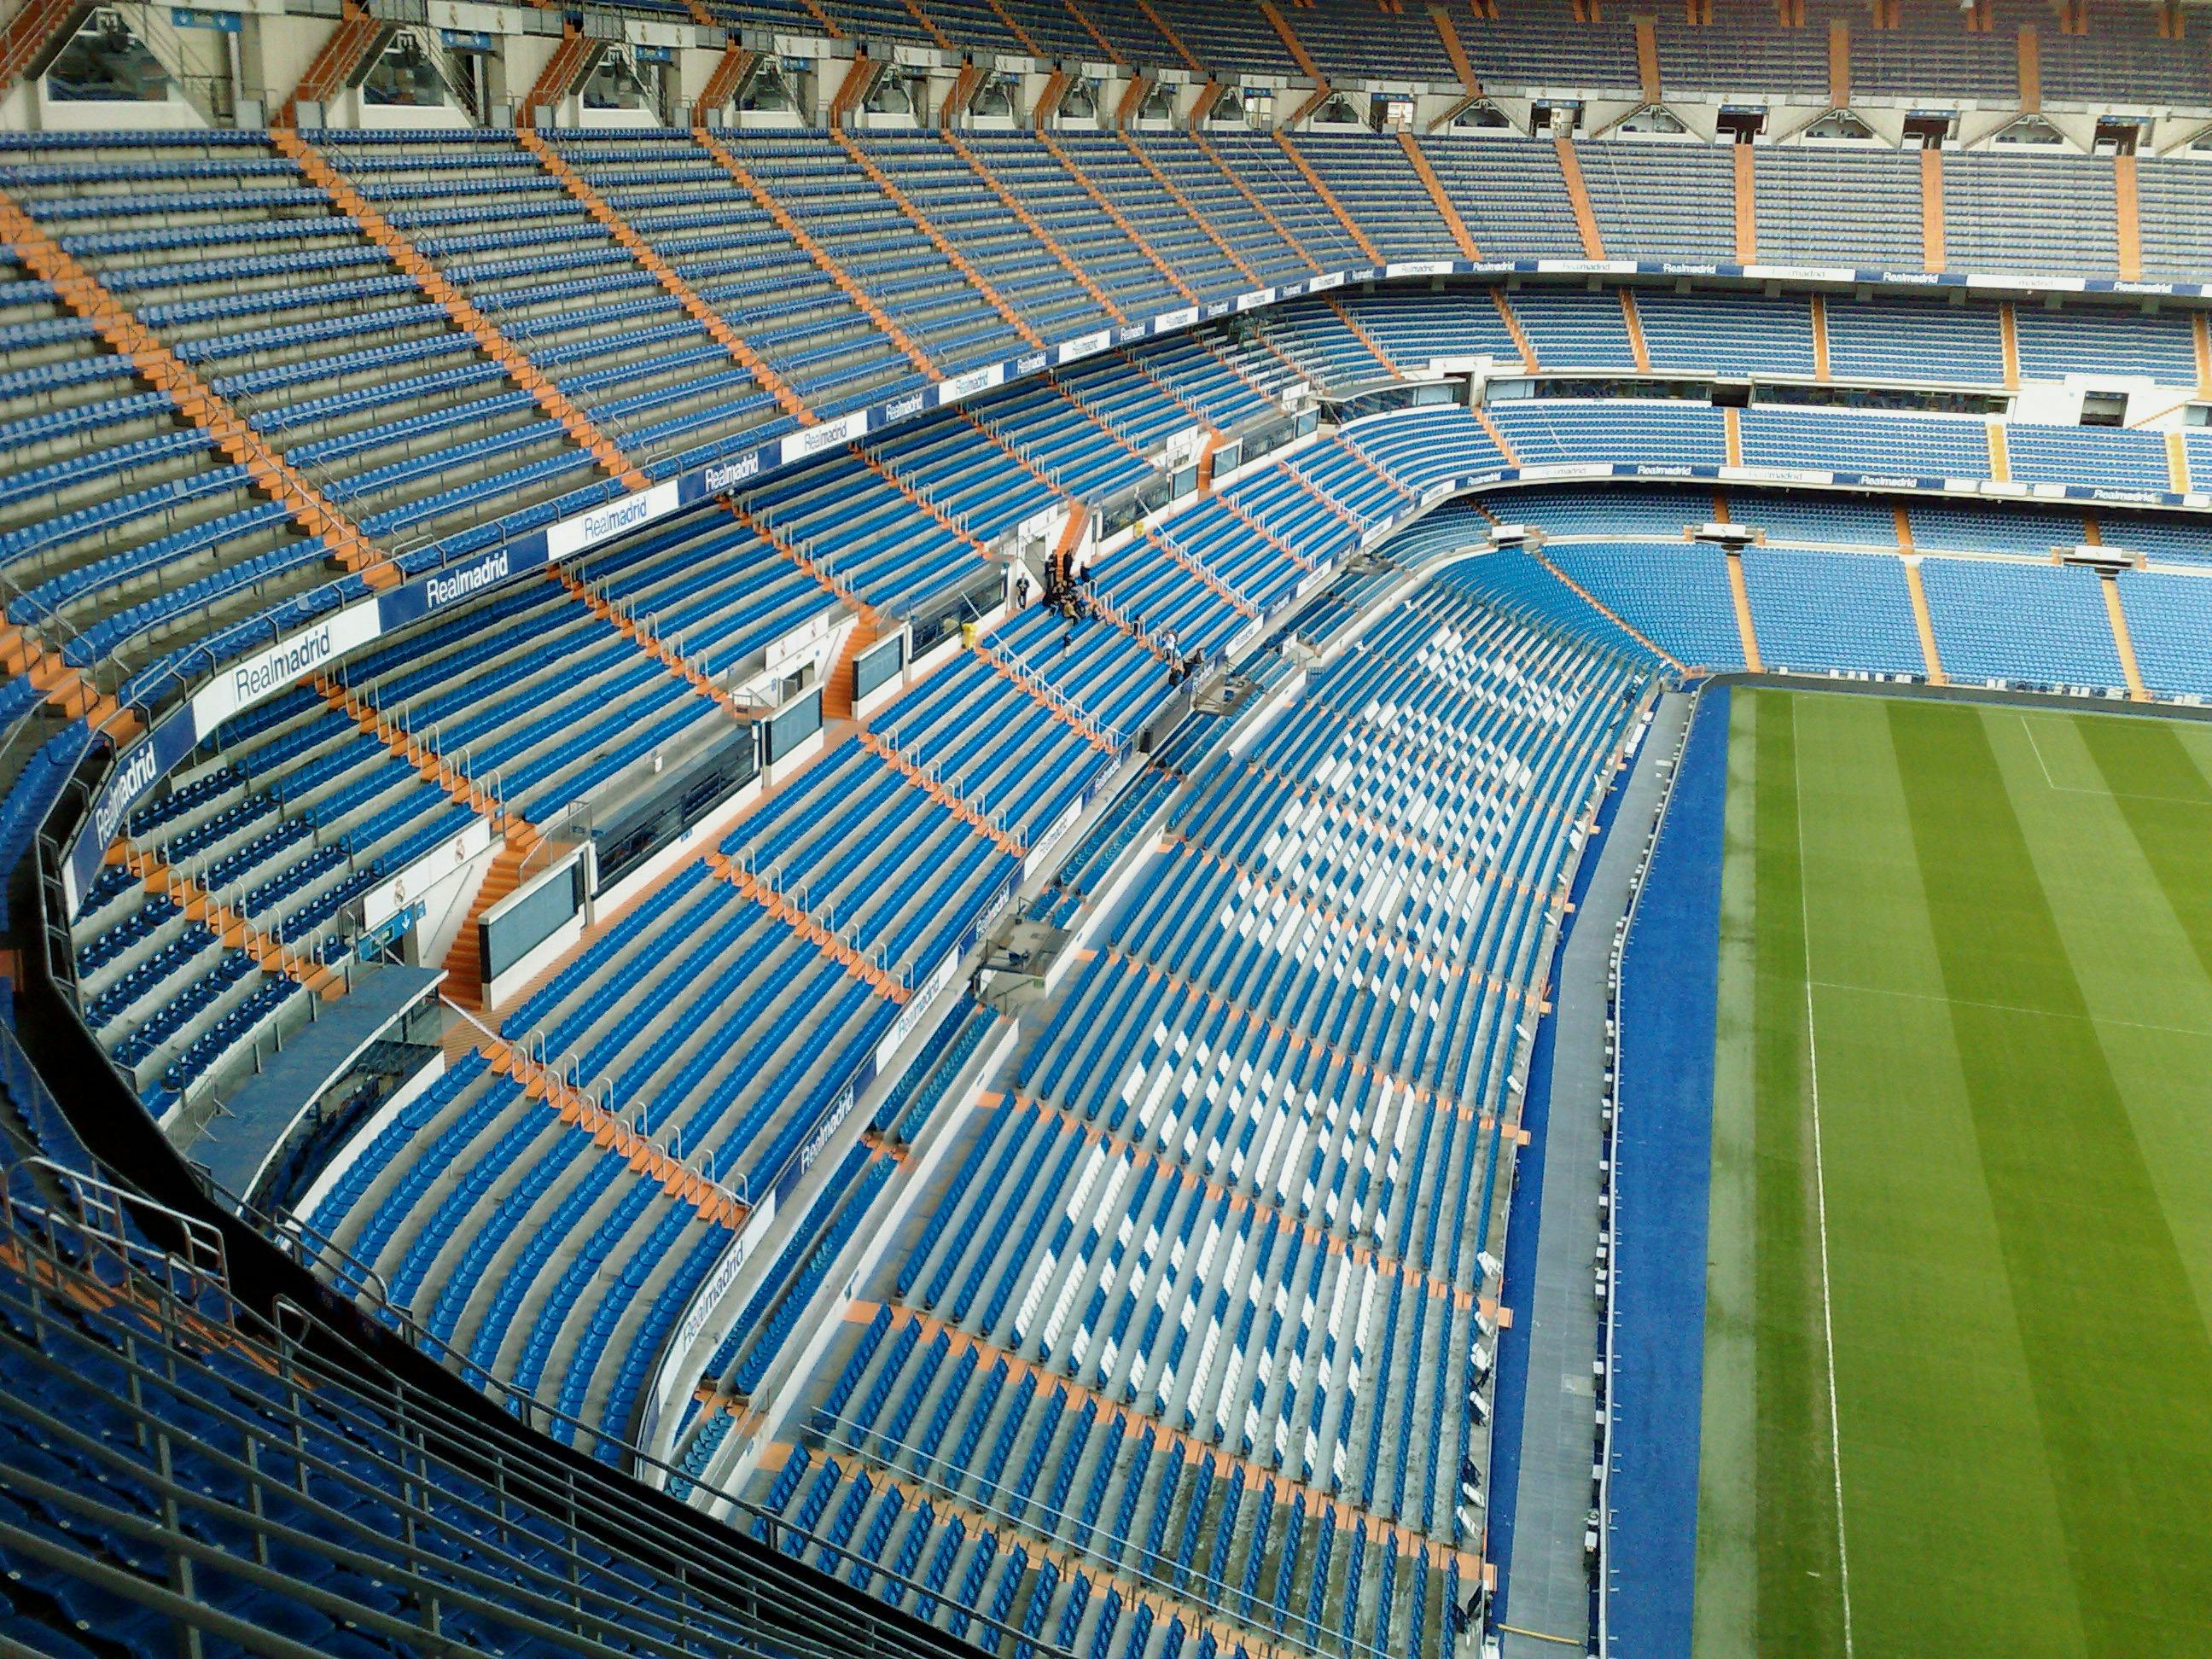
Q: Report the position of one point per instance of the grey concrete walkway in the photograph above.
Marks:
(1547, 1605)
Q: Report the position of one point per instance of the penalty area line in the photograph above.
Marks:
(2109, 794)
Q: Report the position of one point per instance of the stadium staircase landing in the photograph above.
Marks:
(465, 959)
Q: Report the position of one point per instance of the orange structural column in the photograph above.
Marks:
(929, 26)
(2116, 614)
(1498, 436)
(1074, 10)
(1571, 170)
(1048, 101)
(1931, 210)
(1028, 45)
(83, 294)
(1152, 16)
(1741, 595)
(1923, 621)
(1367, 249)
(1522, 343)
(1437, 195)
(1747, 206)
(1292, 44)
(2127, 217)
(433, 282)
(1637, 346)
(1456, 50)
(1132, 100)
(965, 87)
(1647, 59)
(814, 251)
(860, 78)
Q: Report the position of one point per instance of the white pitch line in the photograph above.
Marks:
(2012, 1008)
(2037, 747)
(2108, 794)
(1821, 1191)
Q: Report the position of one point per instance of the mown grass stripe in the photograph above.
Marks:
(1796, 1500)
(2119, 1361)
(2165, 799)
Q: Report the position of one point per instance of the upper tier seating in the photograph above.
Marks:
(1674, 594)
(437, 435)
(1821, 612)
(557, 284)
(1523, 46)
(1159, 1351)
(298, 316)
(1885, 339)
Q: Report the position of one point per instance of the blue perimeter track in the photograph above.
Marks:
(1524, 1220)
(1663, 1166)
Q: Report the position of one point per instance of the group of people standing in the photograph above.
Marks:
(1067, 592)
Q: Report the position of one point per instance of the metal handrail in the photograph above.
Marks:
(583, 1499)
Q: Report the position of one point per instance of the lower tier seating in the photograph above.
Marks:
(1183, 1322)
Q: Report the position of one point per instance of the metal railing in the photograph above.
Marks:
(1173, 1582)
(324, 1439)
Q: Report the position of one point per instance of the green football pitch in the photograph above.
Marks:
(1958, 1384)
